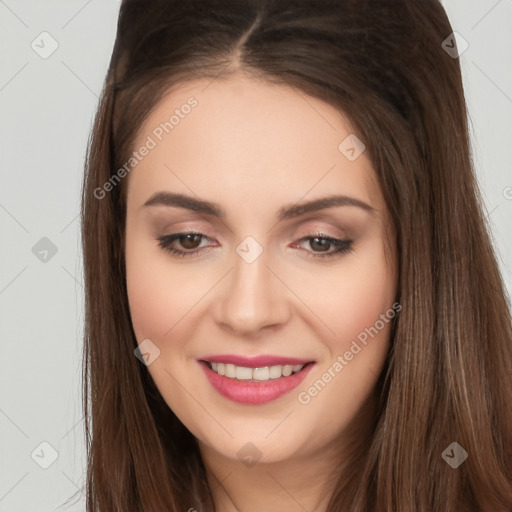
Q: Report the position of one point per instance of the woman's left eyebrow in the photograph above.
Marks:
(286, 212)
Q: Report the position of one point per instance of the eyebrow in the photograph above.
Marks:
(286, 212)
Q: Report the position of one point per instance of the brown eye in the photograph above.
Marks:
(319, 244)
(183, 244)
(326, 246)
(190, 240)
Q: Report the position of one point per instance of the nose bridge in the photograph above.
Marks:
(252, 297)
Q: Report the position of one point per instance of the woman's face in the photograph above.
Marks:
(271, 281)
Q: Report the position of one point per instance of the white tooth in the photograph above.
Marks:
(243, 373)
(287, 370)
(261, 373)
(230, 371)
(275, 372)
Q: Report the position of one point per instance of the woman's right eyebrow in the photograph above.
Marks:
(287, 212)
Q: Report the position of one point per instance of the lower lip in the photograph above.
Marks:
(249, 392)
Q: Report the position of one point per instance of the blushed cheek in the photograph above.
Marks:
(353, 299)
(157, 298)
(367, 327)
(359, 349)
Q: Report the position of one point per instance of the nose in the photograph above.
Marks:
(252, 299)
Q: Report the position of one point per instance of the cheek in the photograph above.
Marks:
(160, 296)
(351, 298)
(352, 308)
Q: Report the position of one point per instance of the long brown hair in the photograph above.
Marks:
(448, 376)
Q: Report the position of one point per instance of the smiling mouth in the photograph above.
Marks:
(259, 374)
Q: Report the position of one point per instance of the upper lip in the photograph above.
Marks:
(256, 361)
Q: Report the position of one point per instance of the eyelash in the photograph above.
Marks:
(342, 246)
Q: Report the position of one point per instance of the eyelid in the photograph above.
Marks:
(327, 233)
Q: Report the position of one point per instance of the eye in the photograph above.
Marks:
(190, 245)
(320, 245)
(189, 241)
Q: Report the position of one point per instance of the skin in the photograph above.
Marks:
(252, 148)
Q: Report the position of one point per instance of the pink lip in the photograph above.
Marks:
(253, 392)
(255, 362)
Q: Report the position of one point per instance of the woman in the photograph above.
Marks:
(292, 301)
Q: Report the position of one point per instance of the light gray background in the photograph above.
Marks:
(47, 107)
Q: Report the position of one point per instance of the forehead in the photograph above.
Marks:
(251, 137)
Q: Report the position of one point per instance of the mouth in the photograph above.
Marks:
(255, 383)
(257, 374)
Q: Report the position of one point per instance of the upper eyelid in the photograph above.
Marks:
(309, 236)
(333, 231)
(336, 227)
